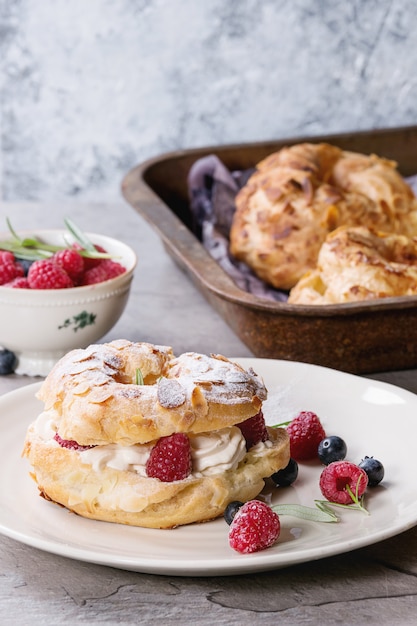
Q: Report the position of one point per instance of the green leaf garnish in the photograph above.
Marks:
(281, 425)
(32, 249)
(139, 377)
(355, 506)
(79, 236)
(322, 513)
(13, 232)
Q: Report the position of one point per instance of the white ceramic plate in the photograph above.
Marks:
(375, 419)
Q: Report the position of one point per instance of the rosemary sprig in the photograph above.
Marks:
(79, 236)
(322, 513)
(356, 506)
(357, 502)
(281, 425)
(22, 252)
(32, 248)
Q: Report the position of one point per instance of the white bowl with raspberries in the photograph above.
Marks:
(69, 299)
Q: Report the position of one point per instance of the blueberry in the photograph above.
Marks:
(7, 362)
(25, 263)
(286, 476)
(331, 449)
(374, 469)
(231, 510)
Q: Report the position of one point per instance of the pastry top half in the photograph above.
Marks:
(301, 193)
(125, 392)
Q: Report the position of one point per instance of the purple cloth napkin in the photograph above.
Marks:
(212, 190)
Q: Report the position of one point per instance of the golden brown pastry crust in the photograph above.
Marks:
(358, 263)
(300, 194)
(97, 400)
(63, 478)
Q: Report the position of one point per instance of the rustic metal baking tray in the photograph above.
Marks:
(354, 337)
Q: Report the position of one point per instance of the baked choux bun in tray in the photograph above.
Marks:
(358, 263)
(301, 193)
(132, 434)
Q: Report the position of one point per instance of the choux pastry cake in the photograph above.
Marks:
(134, 435)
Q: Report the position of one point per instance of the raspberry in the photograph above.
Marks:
(105, 270)
(70, 444)
(305, 433)
(9, 270)
(254, 430)
(6, 256)
(21, 282)
(45, 274)
(71, 261)
(254, 527)
(170, 458)
(336, 476)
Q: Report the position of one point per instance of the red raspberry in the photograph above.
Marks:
(336, 476)
(71, 261)
(254, 527)
(6, 256)
(170, 458)
(105, 270)
(21, 282)
(45, 274)
(9, 271)
(305, 433)
(70, 444)
(254, 430)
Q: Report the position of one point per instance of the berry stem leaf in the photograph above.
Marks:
(319, 514)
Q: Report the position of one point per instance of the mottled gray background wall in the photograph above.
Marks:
(90, 88)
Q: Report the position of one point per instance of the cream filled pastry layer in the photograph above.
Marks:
(211, 453)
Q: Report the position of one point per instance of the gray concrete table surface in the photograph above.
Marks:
(373, 585)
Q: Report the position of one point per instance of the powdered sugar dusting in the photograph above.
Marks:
(170, 393)
(222, 380)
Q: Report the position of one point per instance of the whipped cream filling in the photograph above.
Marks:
(211, 453)
(217, 451)
(45, 425)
